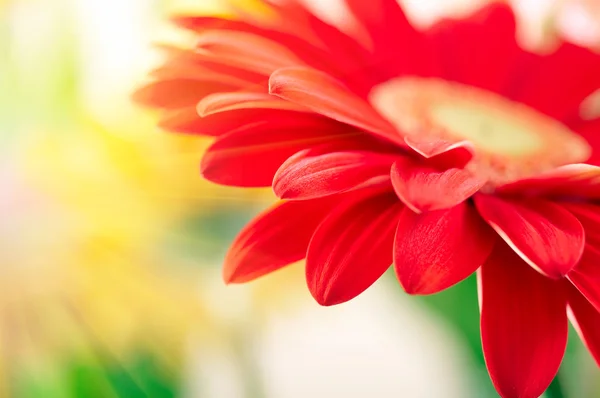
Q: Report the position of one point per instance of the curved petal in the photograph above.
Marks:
(397, 47)
(311, 173)
(425, 188)
(351, 249)
(589, 129)
(246, 50)
(586, 320)
(429, 147)
(324, 95)
(586, 275)
(588, 215)
(250, 156)
(229, 101)
(176, 93)
(523, 324)
(544, 234)
(573, 71)
(435, 250)
(187, 120)
(194, 65)
(274, 239)
(574, 180)
(485, 63)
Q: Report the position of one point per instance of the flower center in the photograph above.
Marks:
(510, 139)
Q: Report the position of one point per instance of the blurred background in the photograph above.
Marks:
(111, 244)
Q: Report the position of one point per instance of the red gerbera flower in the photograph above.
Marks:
(443, 151)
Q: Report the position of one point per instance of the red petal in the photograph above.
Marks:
(247, 50)
(586, 275)
(523, 325)
(351, 249)
(184, 120)
(194, 65)
(469, 59)
(436, 250)
(429, 147)
(424, 188)
(224, 102)
(250, 156)
(176, 93)
(544, 234)
(327, 96)
(274, 239)
(589, 130)
(588, 215)
(586, 320)
(300, 38)
(312, 173)
(397, 47)
(188, 121)
(574, 180)
(573, 71)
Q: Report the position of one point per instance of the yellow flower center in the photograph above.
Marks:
(510, 140)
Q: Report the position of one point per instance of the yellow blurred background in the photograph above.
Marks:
(111, 243)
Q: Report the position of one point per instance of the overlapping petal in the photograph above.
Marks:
(561, 99)
(523, 325)
(488, 63)
(238, 100)
(246, 50)
(250, 155)
(426, 188)
(586, 320)
(570, 181)
(435, 250)
(314, 173)
(588, 215)
(546, 235)
(329, 97)
(586, 275)
(176, 93)
(352, 248)
(274, 239)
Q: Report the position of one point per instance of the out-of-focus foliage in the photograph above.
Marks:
(99, 295)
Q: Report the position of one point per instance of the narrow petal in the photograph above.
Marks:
(192, 64)
(523, 325)
(572, 88)
(398, 48)
(351, 249)
(224, 102)
(274, 239)
(247, 50)
(299, 36)
(250, 155)
(425, 188)
(574, 180)
(438, 249)
(588, 215)
(484, 63)
(176, 93)
(586, 275)
(544, 234)
(312, 173)
(187, 120)
(586, 320)
(327, 96)
(589, 129)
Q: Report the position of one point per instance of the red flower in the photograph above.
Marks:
(444, 152)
